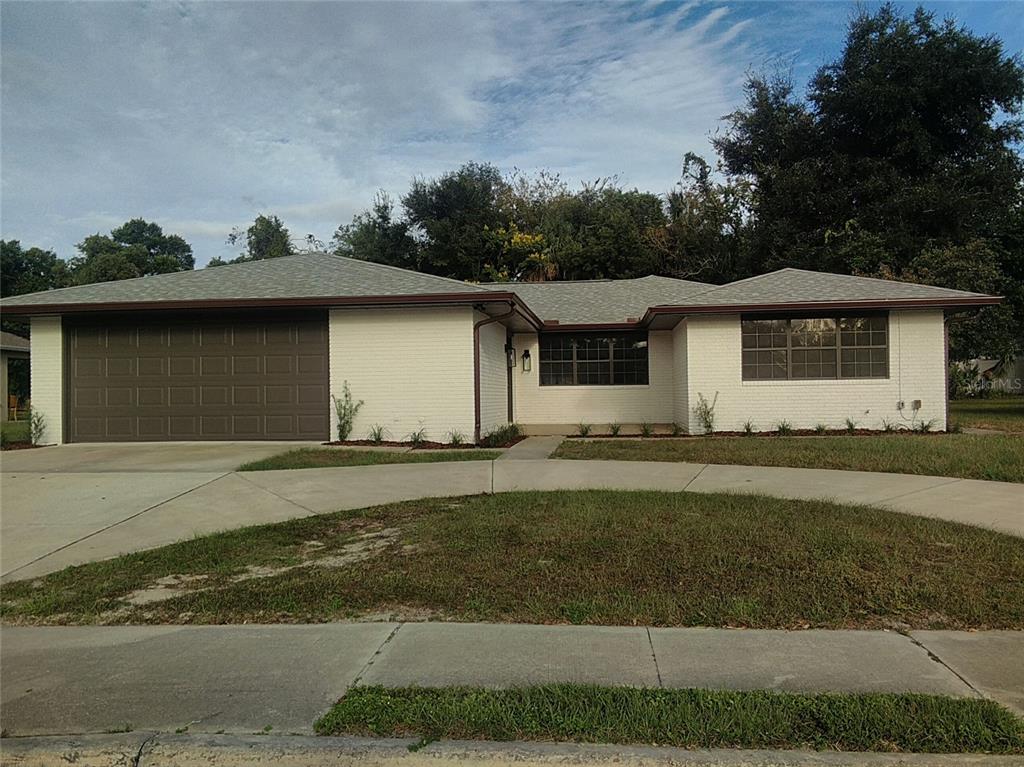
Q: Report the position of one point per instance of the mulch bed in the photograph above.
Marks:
(793, 433)
(422, 445)
(18, 446)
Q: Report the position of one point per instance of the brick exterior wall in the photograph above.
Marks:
(413, 368)
(493, 378)
(557, 409)
(916, 371)
(47, 376)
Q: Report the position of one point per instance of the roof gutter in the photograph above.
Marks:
(325, 302)
(476, 365)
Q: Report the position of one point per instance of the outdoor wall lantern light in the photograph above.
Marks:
(510, 356)
(527, 363)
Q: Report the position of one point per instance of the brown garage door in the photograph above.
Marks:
(227, 378)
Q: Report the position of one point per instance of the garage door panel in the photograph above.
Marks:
(185, 380)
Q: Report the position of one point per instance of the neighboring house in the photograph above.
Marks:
(12, 347)
(257, 350)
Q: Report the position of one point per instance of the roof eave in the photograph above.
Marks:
(319, 302)
(965, 302)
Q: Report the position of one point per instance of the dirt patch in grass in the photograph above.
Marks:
(326, 457)
(685, 718)
(592, 557)
(996, 457)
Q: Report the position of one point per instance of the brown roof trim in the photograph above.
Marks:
(434, 299)
(556, 327)
(892, 303)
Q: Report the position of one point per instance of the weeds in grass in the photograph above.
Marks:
(345, 408)
(704, 411)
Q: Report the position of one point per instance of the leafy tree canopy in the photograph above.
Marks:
(267, 237)
(136, 249)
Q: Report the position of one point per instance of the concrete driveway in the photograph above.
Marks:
(56, 500)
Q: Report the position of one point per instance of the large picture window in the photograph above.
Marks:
(593, 359)
(818, 347)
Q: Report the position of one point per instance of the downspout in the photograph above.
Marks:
(476, 365)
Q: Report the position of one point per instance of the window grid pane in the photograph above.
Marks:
(593, 359)
(815, 348)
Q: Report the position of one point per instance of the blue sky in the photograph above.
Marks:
(199, 116)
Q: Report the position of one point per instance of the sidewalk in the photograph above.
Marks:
(245, 679)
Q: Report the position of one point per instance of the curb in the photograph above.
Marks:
(149, 749)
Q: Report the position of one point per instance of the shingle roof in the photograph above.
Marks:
(600, 301)
(12, 342)
(310, 275)
(314, 276)
(789, 286)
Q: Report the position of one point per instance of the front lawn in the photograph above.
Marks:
(589, 557)
(321, 457)
(994, 457)
(1005, 413)
(685, 718)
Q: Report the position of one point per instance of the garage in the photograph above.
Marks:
(183, 377)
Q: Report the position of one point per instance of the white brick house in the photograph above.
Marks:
(258, 350)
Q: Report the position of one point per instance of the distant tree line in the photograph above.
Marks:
(901, 160)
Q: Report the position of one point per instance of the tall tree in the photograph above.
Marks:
(267, 237)
(30, 270)
(136, 249)
(377, 235)
(906, 147)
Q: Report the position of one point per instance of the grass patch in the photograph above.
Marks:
(685, 718)
(589, 557)
(1005, 413)
(323, 457)
(996, 457)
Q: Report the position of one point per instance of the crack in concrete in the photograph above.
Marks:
(654, 656)
(376, 654)
(241, 476)
(946, 666)
(694, 478)
(952, 481)
(115, 524)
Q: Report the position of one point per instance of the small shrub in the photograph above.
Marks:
(501, 436)
(36, 426)
(851, 426)
(346, 408)
(456, 437)
(378, 433)
(748, 428)
(583, 429)
(705, 412)
(923, 427)
(954, 427)
(417, 437)
(677, 430)
(820, 428)
(888, 426)
(646, 429)
(784, 429)
(614, 429)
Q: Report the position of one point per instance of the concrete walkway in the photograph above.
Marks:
(52, 519)
(60, 680)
